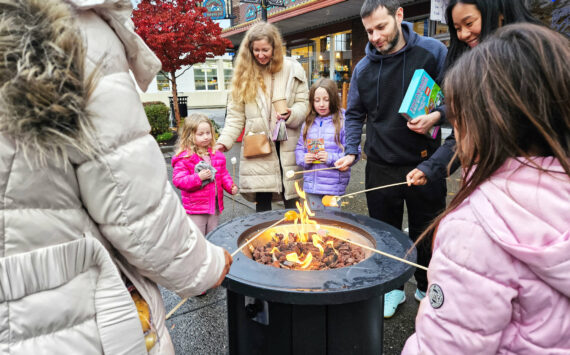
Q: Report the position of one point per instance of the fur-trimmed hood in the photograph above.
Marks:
(43, 88)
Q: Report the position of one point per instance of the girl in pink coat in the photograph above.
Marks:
(499, 278)
(200, 173)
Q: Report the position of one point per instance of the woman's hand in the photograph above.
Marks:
(423, 123)
(309, 158)
(205, 174)
(229, 261)
(416, 177)
(234, 189)
(222, 148)
(284, 117)
(322, 156)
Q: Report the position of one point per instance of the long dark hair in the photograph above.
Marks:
(489, 22)
(520, 108)
(334, 106)
(494, 13)
(515, 11)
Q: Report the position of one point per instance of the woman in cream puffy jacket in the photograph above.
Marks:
(85, 201)
(262, 76)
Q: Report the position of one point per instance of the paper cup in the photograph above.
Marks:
(280, 106)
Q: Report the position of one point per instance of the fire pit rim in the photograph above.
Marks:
(371, 277)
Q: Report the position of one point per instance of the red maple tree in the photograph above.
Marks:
(180, 35)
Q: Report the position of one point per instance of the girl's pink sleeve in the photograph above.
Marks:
(184, 178)
(227, 181)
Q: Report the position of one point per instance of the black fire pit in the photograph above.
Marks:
(336, 311)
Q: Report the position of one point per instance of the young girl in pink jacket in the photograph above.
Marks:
(499, 278)
(200, 173)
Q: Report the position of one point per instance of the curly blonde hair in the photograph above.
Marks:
(186, 139)
(248, 74)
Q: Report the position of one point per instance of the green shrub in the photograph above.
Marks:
(164, 137)
(157, 115)
(148, 103)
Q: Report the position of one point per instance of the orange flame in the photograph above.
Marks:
(317, 241)
(294, 258)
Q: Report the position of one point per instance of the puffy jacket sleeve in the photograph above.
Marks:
(127, 193)
(476, 278)
(300, 107)
(301, 150)
(184, 177)
(334, 156)
(227, 181)
(234, 123)
(435, 167)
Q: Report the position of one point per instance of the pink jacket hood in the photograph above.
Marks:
(532, 224)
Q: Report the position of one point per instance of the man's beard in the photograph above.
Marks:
(392, 43)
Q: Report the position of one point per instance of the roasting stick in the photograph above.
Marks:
(233, 254)
(176, 308)
(380, 252)
(373, 188)
(257, 235)
(292, 173)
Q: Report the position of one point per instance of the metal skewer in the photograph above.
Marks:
(292, 173)
(338, 198)
(233, 254)
(257, 235)
(380, 252)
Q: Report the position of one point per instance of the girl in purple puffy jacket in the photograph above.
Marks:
(322, 143)
(200, 173)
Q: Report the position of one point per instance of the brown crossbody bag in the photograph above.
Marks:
(257, 144)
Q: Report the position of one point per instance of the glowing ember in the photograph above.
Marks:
(318, 253)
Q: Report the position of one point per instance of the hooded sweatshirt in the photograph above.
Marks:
(499, 278)
(378, 86)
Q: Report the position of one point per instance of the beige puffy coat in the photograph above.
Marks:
(99, 207)
(262, 174)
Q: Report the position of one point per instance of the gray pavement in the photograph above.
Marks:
(200, 325)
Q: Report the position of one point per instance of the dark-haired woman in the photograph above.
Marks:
(499, 278)
(469, 22)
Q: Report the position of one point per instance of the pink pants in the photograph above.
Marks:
(205, 222)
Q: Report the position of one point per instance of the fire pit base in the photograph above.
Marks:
(337, 311)
(261, 327)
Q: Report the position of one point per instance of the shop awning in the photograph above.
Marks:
(302, 17)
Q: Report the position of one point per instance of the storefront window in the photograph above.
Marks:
(206, 76)
(305, 54)
(323, 58)
(162, 83)
(421, 26)
(441, 33)
(228, 72)
(342, 58)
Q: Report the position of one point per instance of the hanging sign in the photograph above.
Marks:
(437, 11)
(215, 9)
(250, 12)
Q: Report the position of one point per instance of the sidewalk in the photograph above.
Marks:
(200, 325)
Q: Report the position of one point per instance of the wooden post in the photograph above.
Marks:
(345, 87)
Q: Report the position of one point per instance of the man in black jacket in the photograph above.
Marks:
(379, 83)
